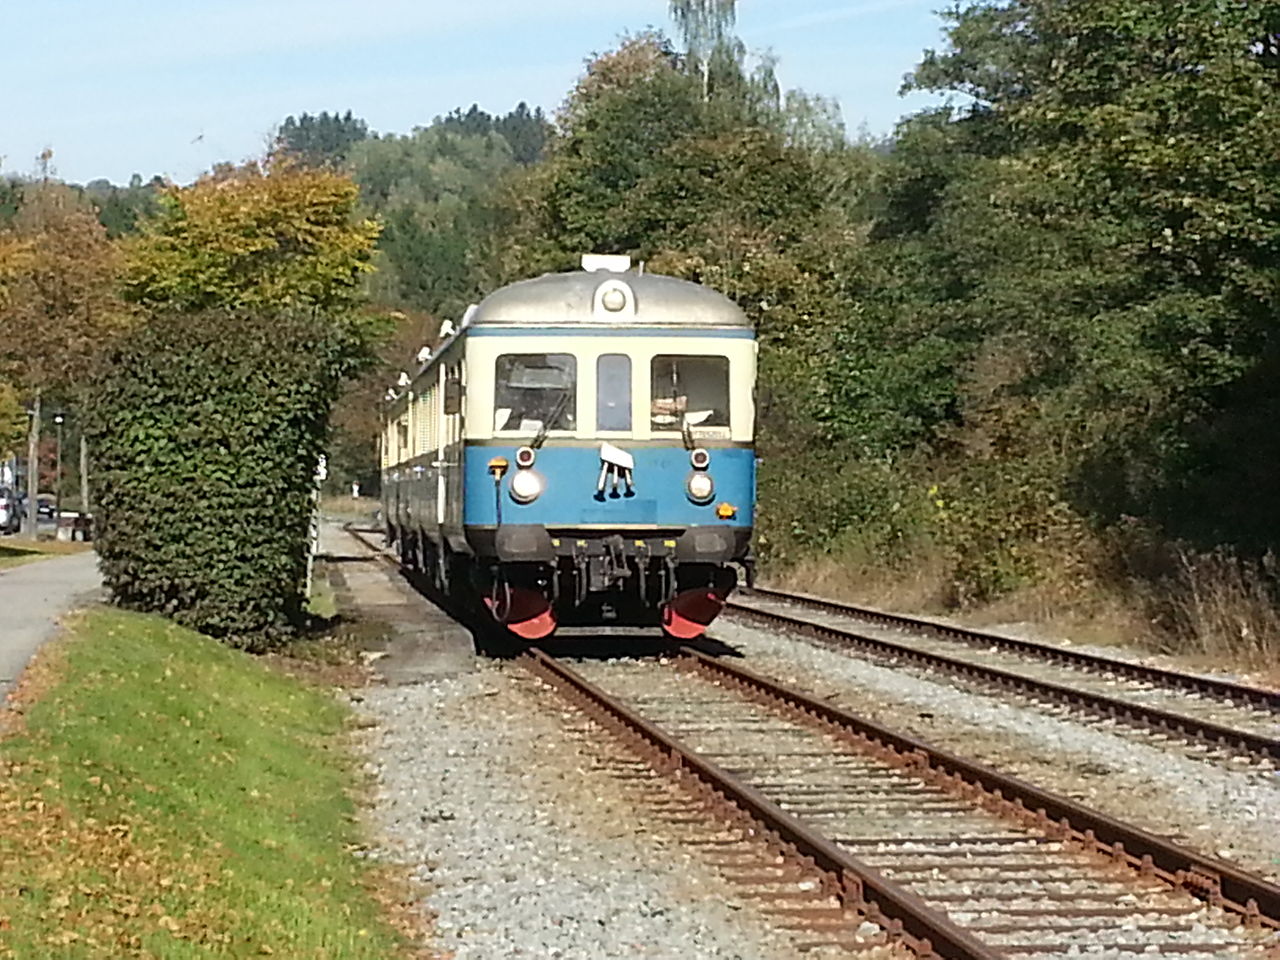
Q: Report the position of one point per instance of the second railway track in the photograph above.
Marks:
(952, 858)
(1220, 716)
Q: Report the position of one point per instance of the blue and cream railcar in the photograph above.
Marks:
(581, 451)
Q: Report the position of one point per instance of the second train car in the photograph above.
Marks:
(580, 450)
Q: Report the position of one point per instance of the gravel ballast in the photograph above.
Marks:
(1221, 812)
(524, 845)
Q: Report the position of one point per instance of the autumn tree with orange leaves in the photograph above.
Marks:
(59, 304)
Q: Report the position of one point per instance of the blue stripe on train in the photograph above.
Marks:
(571, 474)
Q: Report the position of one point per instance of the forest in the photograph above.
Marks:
(1019, 357)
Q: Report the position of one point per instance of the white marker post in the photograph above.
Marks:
(313, 534)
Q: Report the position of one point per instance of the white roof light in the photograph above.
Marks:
(613, 297)
(607, 262)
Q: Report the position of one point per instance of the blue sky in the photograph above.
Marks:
(172, 86)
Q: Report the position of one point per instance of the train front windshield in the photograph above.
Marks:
(535, 389)
(695, 388)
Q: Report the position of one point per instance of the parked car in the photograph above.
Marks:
(46, 506)
(10, 511)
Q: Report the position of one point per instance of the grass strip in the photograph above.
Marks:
(169, 797)
(14, 552)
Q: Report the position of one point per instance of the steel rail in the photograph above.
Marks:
(858, 886)
(1163, 721)
(1223, 689)
(1208, 878)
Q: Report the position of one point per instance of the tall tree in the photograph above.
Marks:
(431, 191)
(1147, 165)
(122, 208)
(1066, 314)
(706, 26)
(323, 140)
(13, 421)
(703, 189)
(10, 199)
(14, 257)
(526, 131)
(62, 307)
(252, 236)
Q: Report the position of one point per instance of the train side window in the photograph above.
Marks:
(696, 388)
(613, 392)
(535, 388)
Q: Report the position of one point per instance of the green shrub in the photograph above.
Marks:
(207, 433)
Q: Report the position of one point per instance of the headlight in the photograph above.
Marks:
(525, 457)
(699, 459)
(700, 487)
(526, 486)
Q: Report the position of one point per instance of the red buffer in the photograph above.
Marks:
(688, 614)
(525, 612)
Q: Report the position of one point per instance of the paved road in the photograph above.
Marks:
(31, 598)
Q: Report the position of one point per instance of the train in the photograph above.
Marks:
(578, 450)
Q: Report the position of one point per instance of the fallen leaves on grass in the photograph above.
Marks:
(90, 881)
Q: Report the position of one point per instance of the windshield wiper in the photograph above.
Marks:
(686, 430)
(543, 430)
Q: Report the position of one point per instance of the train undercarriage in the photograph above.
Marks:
(674, 580)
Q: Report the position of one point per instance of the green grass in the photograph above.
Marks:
(323, 602)
(16, 557)
(169, 797)
(15, 552)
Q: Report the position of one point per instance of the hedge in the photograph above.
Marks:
(206, 432)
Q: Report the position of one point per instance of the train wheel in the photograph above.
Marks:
(406, 550)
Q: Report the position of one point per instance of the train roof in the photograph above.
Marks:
(653, 300)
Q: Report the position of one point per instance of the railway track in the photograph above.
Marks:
(949, 858)
(834, 822)
(1217, 716)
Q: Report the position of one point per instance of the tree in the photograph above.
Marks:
(13, 421)
(1065, 315)
(10, 200)
(61, 309)
(357, 423)
(121, 208)
(474, 122)
(714, 189)
(431, 190)
(1147, 162)
(526, 132)
(319, 141)
(216, 408)
(706, 27)
(253, 236)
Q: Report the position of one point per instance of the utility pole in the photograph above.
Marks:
(57, 485)
(85, 510)
(33, 468)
